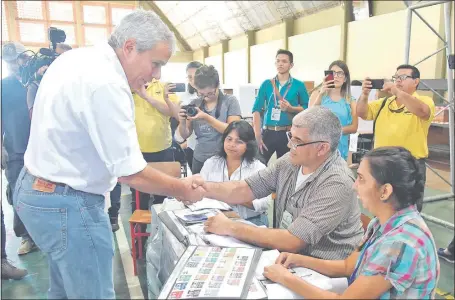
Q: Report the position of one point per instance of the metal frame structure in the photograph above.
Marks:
(412, 9)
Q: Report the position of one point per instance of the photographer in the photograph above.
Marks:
(15, 131)
(209, 115)
(402, 119)
(32, 88)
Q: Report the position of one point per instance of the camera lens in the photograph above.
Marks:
(191, 111)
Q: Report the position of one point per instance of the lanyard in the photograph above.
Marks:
(276, 92)
(360, 260)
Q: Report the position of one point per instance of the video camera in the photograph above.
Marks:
(44, 57)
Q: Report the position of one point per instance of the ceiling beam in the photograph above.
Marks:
(150, 5)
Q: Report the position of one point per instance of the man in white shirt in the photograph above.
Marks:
(83, 139)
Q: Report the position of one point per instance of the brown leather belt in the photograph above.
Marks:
(278, 128)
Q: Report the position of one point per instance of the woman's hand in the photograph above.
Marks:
(199, 116)
(182, 115)
(168, 87)
(326, 85)
(276, 273)
(289, 260)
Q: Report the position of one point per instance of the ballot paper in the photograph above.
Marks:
(207, 203)
(191, 217)
(257, 290)
(267, 258)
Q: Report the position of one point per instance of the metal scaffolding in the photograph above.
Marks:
(412, 9)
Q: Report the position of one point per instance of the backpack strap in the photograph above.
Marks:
(375, 119)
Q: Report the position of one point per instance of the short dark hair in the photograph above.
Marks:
(415, 72)
(397, 166)
(246, 134)
(286, 52)
(206, 76)
(192, 65)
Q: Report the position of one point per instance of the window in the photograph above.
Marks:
(5, 36)
(94, 35)
(32, 20)
(32, 32)
(118, 14)
(61, 11)
(94, 14)
(30, 10)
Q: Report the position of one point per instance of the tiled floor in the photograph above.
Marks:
(35, 285)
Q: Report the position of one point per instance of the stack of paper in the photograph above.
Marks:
(267, 258)
(207, 203)
(191, 217)
(217, 240)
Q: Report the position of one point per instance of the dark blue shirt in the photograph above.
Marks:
(15, 118)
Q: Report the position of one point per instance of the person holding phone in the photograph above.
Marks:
(404, 118)
(214, 111)
(335, 94)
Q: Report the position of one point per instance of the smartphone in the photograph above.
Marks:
(329, 76)
(356, 83)
(377, 84)
(179, 88)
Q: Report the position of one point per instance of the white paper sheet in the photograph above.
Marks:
(267, 258)
(277, 291)
(256, 291)
(225, 241)
(209, 203)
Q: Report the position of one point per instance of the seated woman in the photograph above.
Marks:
(397, 256)
(237, 160)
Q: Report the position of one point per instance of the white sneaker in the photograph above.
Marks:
(27, 246)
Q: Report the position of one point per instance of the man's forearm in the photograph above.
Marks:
(262, 237)
(296, 109)
(231, 192)
(362, 106)
(257, 123)
(160, 106)
(152, 181)
(174, 108)
(413, 104)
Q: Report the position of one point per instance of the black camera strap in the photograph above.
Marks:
(377, 116)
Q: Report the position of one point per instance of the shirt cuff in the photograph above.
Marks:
(305, 230)
(129, 166)
(261, 205)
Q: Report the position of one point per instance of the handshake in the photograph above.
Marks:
(194, 190)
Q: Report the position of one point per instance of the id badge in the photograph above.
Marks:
(276, 114)
(286, 220)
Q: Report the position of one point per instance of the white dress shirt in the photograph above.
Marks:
(215, 170)
(185, 99)
(83, 132)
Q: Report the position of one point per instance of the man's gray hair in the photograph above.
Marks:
(145, 27)
(322, 125)
(64, 47)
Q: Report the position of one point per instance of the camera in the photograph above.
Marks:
(191, 110)
(44, 57)
(357, 156)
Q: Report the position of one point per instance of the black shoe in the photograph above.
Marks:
(11, 272)
(447, 257)
(114, 224)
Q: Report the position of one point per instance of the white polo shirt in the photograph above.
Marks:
(83, 132)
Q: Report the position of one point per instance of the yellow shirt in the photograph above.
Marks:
(153, 128)
(401, 129)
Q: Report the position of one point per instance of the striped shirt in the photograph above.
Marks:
(324, 209)
(404, 252)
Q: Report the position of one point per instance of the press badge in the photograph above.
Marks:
(286, 220)
(276, 114)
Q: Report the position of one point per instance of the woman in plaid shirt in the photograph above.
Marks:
(397, 257)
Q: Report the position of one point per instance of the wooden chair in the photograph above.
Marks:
(141, 216)
(365, 221)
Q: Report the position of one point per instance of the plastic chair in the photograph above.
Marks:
(141, 216)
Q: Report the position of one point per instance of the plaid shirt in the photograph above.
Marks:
(404, 252)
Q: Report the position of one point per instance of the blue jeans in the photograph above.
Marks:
(74, 231)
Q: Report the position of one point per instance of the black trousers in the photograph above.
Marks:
(189, 157)
(275, 141)
(12, 171)
(144, 199)
(423, 171)
(3, 237)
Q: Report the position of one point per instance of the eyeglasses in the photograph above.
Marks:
(295, 146)
(208, 95)
(338, 74)
(401, 77)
